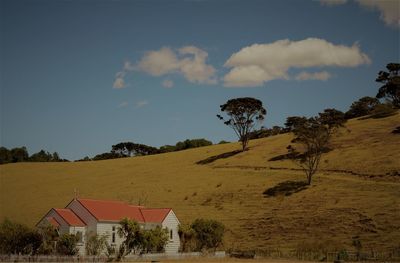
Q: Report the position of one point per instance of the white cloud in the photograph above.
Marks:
(323, 75)
(123, 104)
(332, 2)
(141, 103)
(259, 63)
(119, 82)
(167, 83)
(190, 61)
(389, 9)
(159, 62)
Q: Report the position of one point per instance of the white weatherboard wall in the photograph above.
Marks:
(64, 227)
(106, 229)
(171, 222)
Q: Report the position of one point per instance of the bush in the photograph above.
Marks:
(95, 244)
(382, 111)
(208, 233)
(16, 238)
(66, 245)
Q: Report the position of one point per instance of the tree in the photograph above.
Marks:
(66, 245)
(362, 107)
(5, 155)
(391, 80)
(133, 237)
(312, 137)
(49, 235)
(95, 244)
(154, 240)
(293, 122)
(243, 115)
(208, 232)
(187, 237)
(16, 238)
(332, 119)
(19, 154)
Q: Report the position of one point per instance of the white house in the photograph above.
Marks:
(87, 216)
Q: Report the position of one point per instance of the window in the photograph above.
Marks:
(113, 228)
(113, 237)
(171, 234)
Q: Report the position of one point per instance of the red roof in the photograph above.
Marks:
(111, 210)
(155, 215)
(116, 210)
(53, 221)
(70, 217)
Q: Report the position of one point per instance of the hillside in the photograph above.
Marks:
(351, 196)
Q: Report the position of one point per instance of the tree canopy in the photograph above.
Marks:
(391, 80)
(243, 115)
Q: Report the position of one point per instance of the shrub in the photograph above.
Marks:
(66, 245)
(16, 238)
(95, 244)
(208, 233)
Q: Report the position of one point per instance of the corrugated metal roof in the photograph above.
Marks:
(70, 217)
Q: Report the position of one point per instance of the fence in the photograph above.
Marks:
(143, 257)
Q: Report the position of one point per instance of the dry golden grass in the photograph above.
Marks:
(337, 207)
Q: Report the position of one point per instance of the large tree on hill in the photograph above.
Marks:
(332, 119)
(243, 115)
(391, 80)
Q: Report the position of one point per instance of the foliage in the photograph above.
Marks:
(133, 237)
(20, 154)
(382, 111)
(66, 245)
(95, 244)
(243, 115)
(391, 80)
(154, 240)
(186, 144)
(128, 149)
(49, 237)
(313, 137)
(266, 132)
(332, 119)
(293, 122)
(208, 232)
(362, 107)
(138, 240)
(106, 156)
(187, 237)
(16, 238)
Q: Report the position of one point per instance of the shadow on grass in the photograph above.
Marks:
(288, 156)
(286, 188)
(217, 157)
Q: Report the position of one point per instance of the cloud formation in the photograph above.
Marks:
(167, 83)
(323, 75)
(119, 82)
(123, 104)
(141, 103)
(259, 63)
(189, 61)
(389, 9)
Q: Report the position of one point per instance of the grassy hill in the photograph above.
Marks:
(350, 197)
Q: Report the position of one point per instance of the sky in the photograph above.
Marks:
(78, 76)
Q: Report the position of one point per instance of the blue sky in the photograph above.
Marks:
(80, 76)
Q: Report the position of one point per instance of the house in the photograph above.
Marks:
(83, 217)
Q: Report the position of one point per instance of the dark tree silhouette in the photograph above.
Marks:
(332, 119)
(243, 116)
(391, 80)
(362, 107)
